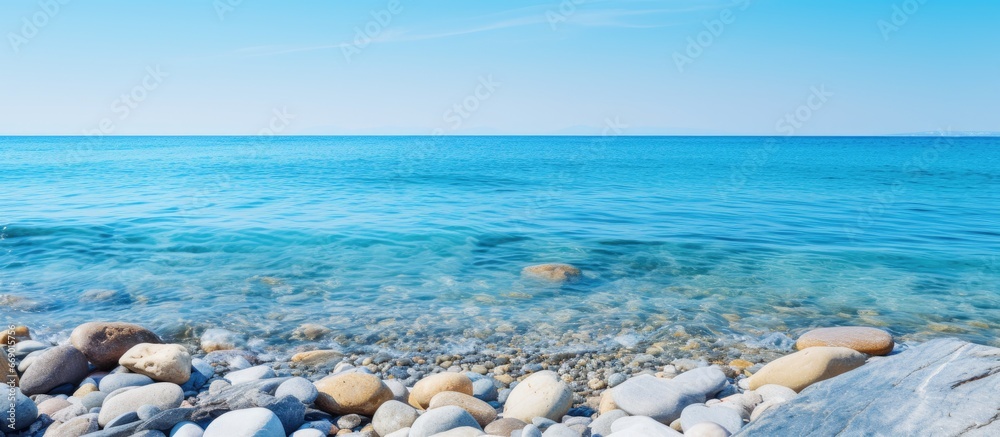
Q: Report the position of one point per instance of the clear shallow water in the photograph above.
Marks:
(417, 240)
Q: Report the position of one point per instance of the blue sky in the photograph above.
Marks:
(499, 67)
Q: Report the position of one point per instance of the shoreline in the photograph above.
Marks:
(585, 384)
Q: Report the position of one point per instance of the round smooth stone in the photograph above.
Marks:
(425, 389)
(186, 429)
(23, 348)
(146, 412)
(163, 395)
(254, 373)
(116, 381)
(479, 409)
(485, 389)
(104, 343)
(555, 272)
(640, 426)
(871, 341)
(542, 394)
(94, 399)
(51, 405)
(703, 381)
(81, 425)
(25, 410)
(351, 393)
(249, 422)
(560, 430)
(707, 429)
(299, 388)
(803, 368)
(122, 419)
(53, 368)
(602, 424)
(349, 421)
(440, 420)
(727, 418)
(504, 426)
(463, 431)
(393, 416)
(774, 392)
(529, 431)
(399, 391)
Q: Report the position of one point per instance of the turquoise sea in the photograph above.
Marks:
(418, 242)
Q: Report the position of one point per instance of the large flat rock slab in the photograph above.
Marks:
(944, 387)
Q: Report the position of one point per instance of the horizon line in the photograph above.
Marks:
(99, 137)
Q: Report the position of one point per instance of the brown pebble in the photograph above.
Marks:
(85, 390)
(740, 364)
(21, 333)
(871, 341)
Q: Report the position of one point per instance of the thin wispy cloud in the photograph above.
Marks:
(514, 18)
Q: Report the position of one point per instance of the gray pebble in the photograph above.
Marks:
(560, 430)
(217, 386)
(167, 419)
(392, 416)
(290, 412)
(70, 412)
(775, 393)
(602, 425)
(64, 389)
(576, 420)
(251, 374)
(25, 347)
(321, 425)
(147, 412)
(616, 379)
(581, 411)
(528, 431)
(728, 418)
(349, 421)
(56, 367)
(245, 422)
(116, 381)
(76, 427)
(485, 389)
(502, 395)
(25, 410)
(399, 391)
(201, 372)
(202, 367)
(442, 419)
(542, 423)
(299, 388)
(187, 429)
(125, 418)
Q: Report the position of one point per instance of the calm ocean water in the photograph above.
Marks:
(411, 240)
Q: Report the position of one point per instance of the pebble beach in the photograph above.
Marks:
(120, 379)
